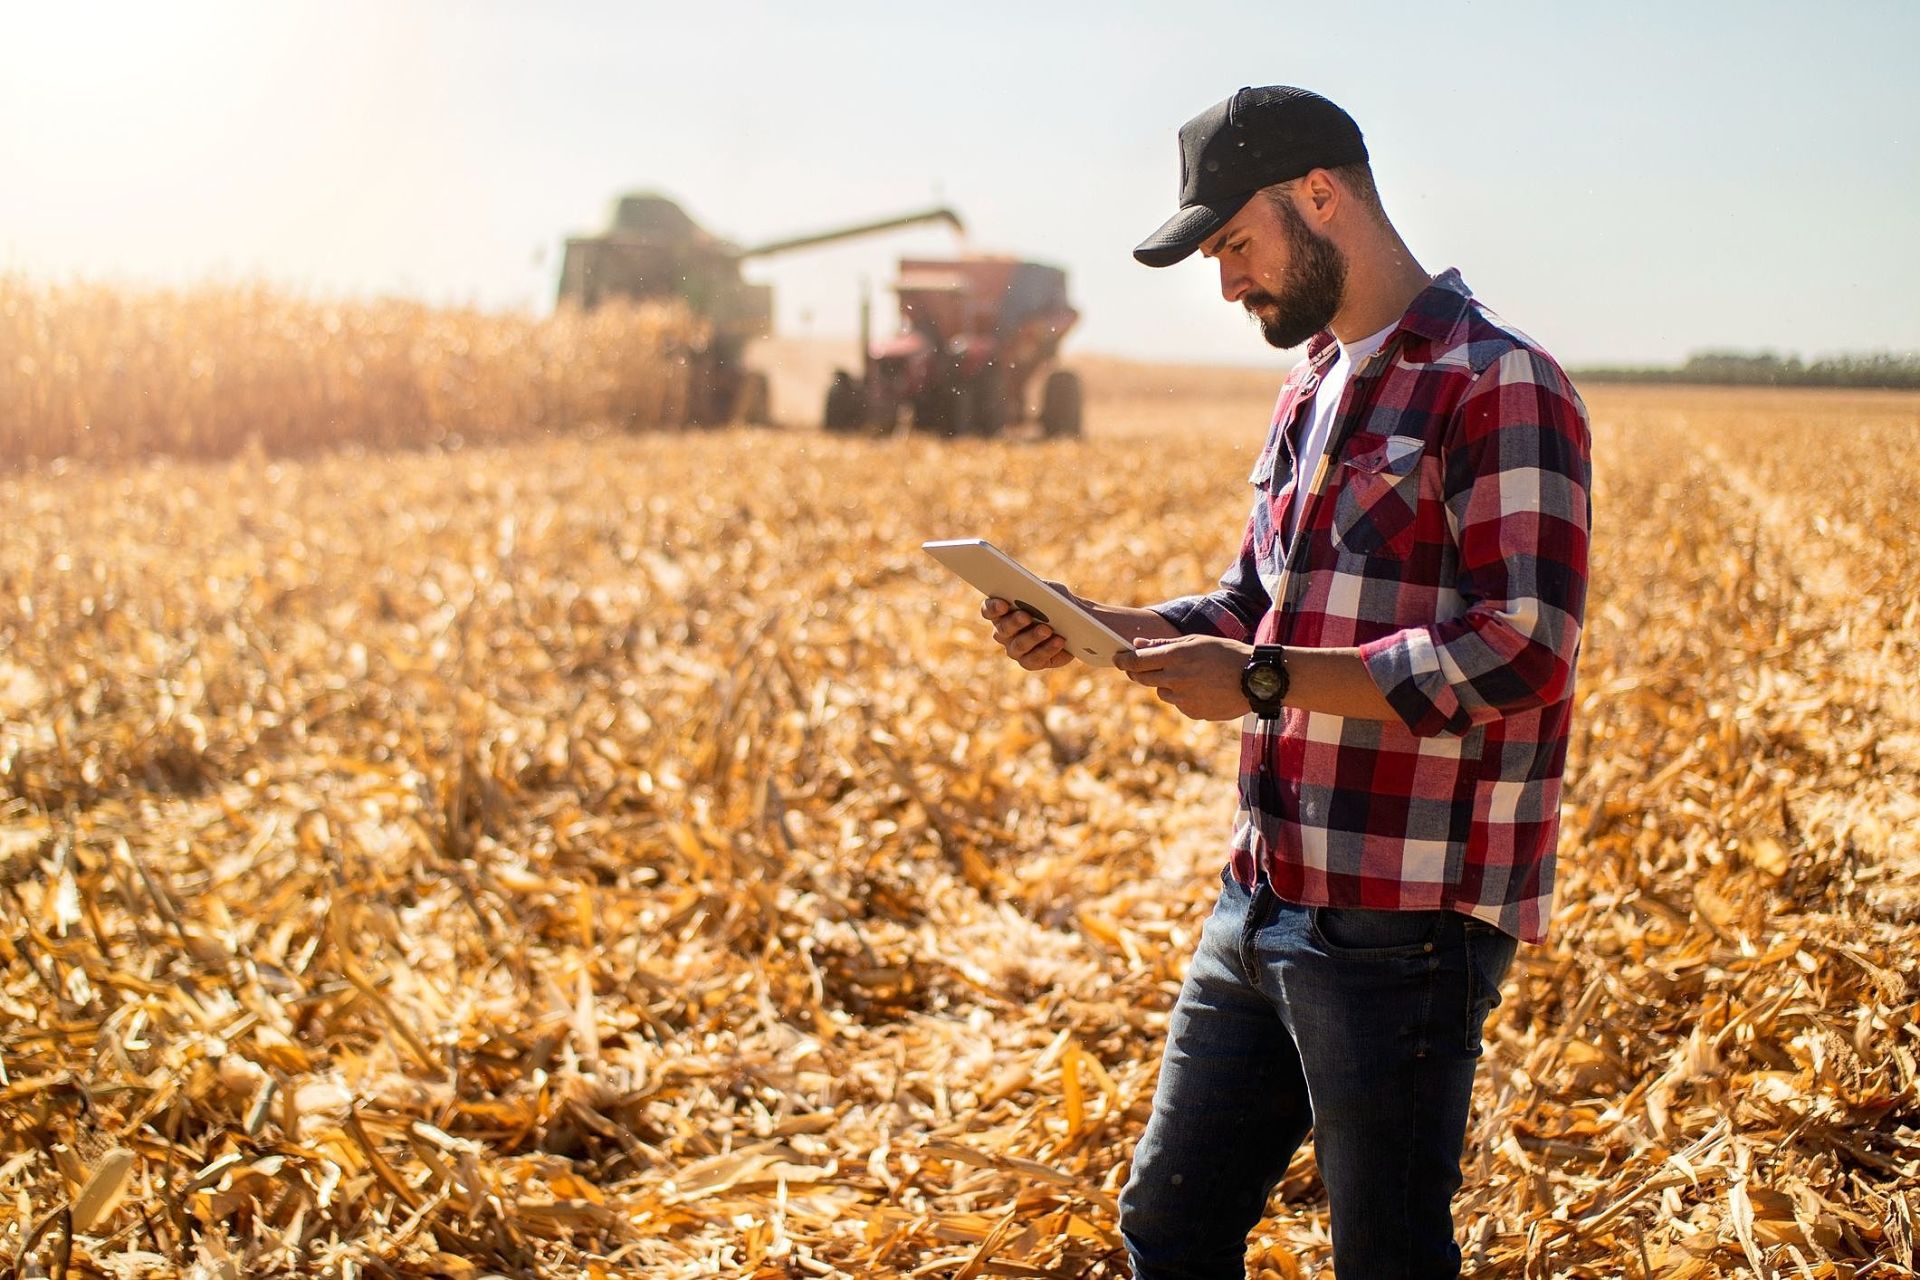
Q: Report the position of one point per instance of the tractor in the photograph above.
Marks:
(653, 250)
(973, 333)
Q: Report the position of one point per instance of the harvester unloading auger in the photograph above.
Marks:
(654, 250)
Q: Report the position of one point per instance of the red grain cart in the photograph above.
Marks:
(973, 334)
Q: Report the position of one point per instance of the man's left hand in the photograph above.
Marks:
(1199, 676)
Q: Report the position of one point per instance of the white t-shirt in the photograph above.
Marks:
(1326, 404)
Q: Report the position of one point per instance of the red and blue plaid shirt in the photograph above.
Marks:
(1448, 542)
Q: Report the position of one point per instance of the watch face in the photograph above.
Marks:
(1263, 682)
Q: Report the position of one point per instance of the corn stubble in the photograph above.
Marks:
(626, 857)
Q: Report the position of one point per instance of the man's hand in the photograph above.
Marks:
(1198, 675)
(1031, 643)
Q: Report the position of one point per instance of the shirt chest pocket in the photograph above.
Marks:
(1379, 498)
(1273, 477)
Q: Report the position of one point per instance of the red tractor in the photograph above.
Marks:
(973, 333)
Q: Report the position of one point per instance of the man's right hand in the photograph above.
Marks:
(1031, 643)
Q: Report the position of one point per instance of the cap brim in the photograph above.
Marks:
(1181, 234)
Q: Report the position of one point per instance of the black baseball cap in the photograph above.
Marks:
(1232, 149)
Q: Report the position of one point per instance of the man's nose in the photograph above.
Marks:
(1233, 282)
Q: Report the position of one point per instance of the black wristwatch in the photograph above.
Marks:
(1265, 681)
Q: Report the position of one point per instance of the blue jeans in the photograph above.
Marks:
(1361, 1026)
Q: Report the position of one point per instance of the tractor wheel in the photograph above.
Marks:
(1061, 404)
(756, 400)
(846, 403)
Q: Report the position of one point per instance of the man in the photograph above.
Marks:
(1399, 632)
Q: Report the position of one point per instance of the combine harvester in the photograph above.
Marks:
(653, 250)
(974, 331)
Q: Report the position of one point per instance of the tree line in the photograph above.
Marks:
(1896, 369)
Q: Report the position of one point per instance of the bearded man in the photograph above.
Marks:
(1398, 636)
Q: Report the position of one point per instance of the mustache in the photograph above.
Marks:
(1257, 299)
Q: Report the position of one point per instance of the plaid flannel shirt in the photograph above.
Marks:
(1448, 542)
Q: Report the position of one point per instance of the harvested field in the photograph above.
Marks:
(624, 856)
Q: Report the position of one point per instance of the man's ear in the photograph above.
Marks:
(1319, 193)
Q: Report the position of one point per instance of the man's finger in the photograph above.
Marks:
(1145, 657)
(1044, 655)
(993, 607)
(1025, 642)
(1010, 625)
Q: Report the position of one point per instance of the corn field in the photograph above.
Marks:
(626, 856)
(98, 373)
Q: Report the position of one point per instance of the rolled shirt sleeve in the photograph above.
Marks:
(1517, 488)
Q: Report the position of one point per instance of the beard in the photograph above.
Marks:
(1314, 293)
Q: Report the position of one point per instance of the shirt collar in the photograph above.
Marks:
(1434, 312)
(1437, 309)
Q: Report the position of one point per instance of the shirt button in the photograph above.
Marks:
(1427, 947)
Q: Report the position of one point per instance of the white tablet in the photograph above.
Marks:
(994, 573)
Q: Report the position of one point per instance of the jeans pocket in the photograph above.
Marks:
(1362, 932)
(1490, 954)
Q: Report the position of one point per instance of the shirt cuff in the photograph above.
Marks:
(1201, 616)
(1405, 667)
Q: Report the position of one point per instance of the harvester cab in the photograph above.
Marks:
(653, 250)
(973, 334)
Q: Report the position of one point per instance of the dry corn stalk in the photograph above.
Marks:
(625, 857)
(93, 372)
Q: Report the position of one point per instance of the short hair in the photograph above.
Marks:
(1356, 179)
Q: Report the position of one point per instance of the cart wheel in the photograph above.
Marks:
(1060, 404)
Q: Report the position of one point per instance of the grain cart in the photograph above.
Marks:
(973, 333)
(653, 250)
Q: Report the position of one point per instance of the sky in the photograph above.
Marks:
(1627, 182)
